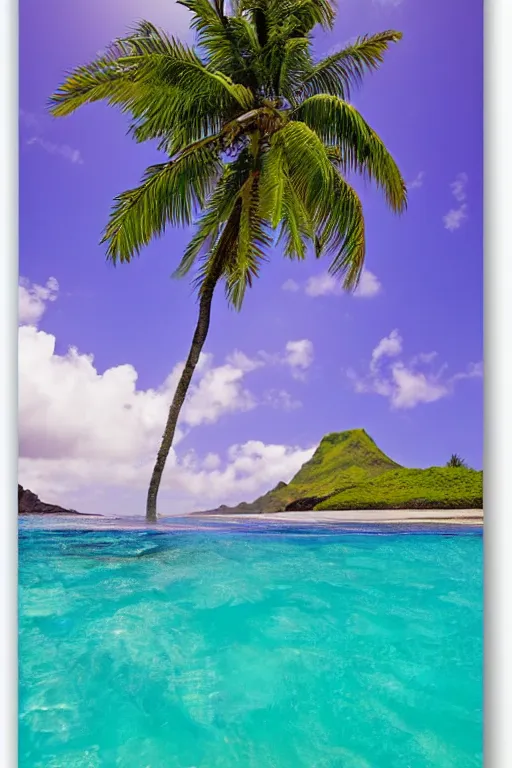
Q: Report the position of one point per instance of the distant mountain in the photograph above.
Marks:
(30, 504)
(342, 460)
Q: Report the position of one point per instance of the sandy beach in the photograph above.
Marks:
(409, 516)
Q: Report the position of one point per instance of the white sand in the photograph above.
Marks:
(441, 516)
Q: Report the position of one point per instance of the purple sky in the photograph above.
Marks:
(313, 360)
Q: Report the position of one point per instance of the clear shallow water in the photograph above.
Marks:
(196, 645)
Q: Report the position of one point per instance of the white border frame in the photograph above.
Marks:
(498, 404)
(8, 388)
(498, 400)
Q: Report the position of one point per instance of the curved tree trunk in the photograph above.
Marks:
(201, 332)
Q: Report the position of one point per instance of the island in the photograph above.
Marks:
(348, 471)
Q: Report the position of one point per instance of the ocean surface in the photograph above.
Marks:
(196, 645)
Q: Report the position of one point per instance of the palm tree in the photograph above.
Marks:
(456, 461)
(259, 138)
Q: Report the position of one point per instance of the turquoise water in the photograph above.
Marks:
(254, 648)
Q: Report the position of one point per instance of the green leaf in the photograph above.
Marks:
(217, 211)
(361, 150)
(253, 239)
(309, 168)
(342, 234)
(340, 72)
(169, 193)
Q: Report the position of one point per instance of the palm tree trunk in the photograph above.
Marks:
(201, 332)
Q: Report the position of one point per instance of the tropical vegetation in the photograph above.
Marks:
(433, 488)
(349, 471)
(456, 461)
(260, 139)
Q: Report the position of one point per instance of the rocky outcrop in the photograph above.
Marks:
(305, 505)
(30, 504)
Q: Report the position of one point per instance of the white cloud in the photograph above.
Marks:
(299, 356)
(458, 187)
(325, 284)
(211, 461)
(281, 399)
(36, 124)
(410, 387)
(32, 299)
(417, 182)
(258, 463)
(241, 360)
(474, 371)
(67, 409)
(29, 119)
(219, 391)
(369, 285)
(406, 385)
(424, 357)
(85, 433)
(290, 285)
(389, 346)
(64, 150)
(456, 216)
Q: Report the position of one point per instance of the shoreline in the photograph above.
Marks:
(380, 516)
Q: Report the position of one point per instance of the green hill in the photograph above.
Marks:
(342, 460)
(349, 471)
(434, 488)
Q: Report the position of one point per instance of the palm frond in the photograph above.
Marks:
(253, 239)
(281, 204)
(339, 124)
(297, 228)
(342, 234)
(290, 63)
(150, 66)
(109, 77)
(170, 193)
(309, 169)
(218, 209)
(182, 67)
(297, 16)
(230, 43)
(145, 39)
(204, 13)
(273, 176)
(175, 119)
(102, 79)
(340, 72)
